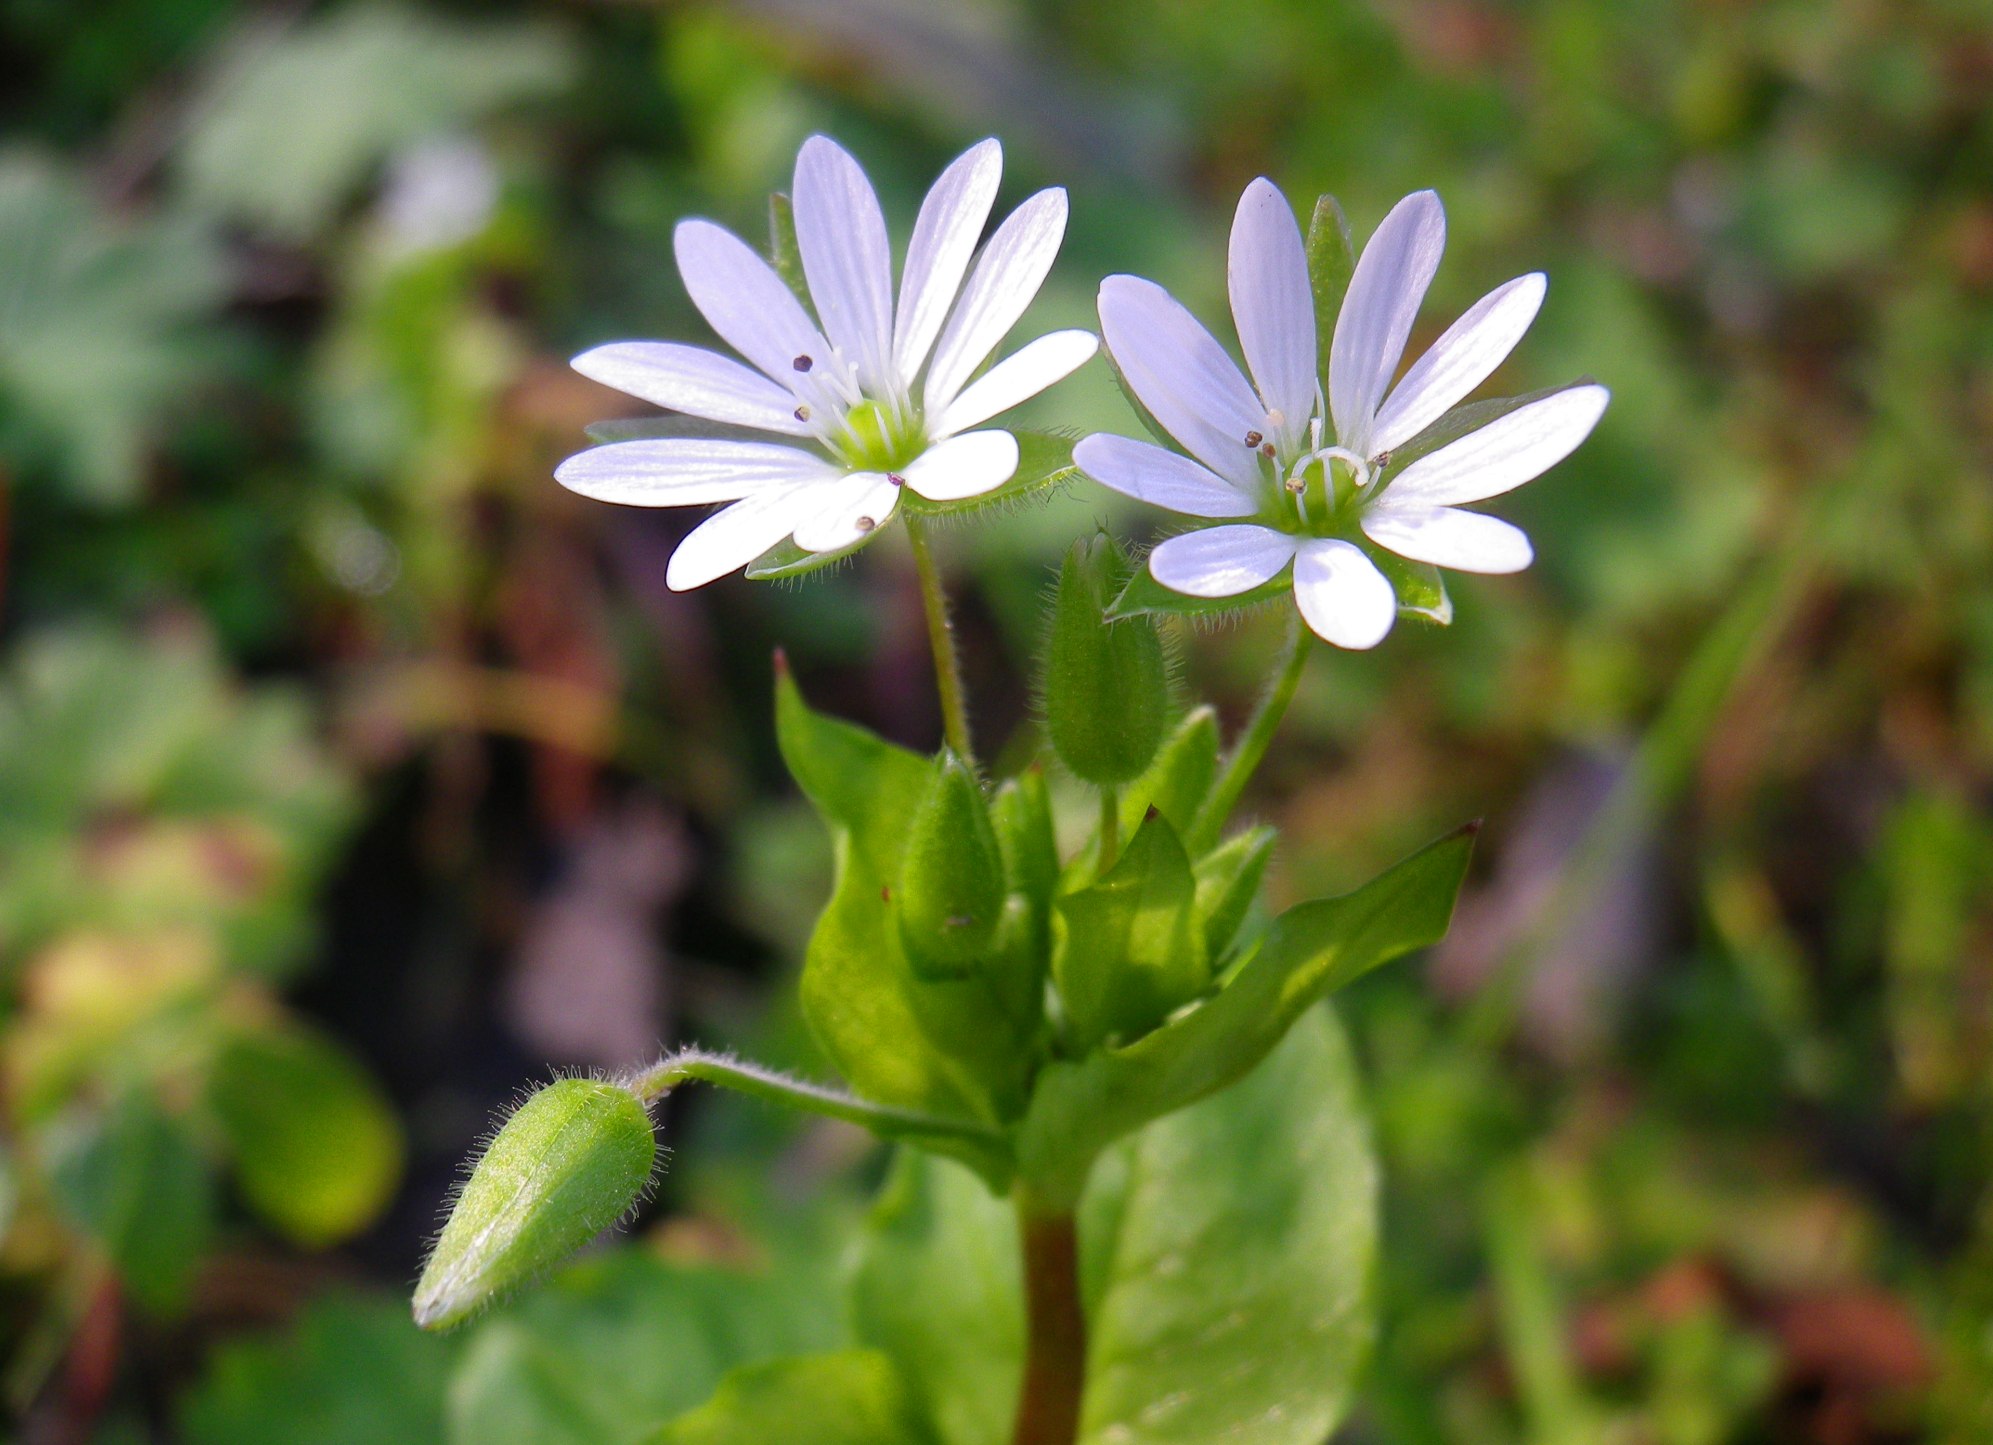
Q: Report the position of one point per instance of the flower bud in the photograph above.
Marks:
(951, 891)
(1106, 683)
(564, 1167)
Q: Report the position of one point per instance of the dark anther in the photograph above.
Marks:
(803, 363)
(1381, 460)
(896, 479)
(866, 524)
(1267, 451)
(802, 413)
(1253, 438)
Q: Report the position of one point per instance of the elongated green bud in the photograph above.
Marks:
(950, 896)
(564, 1168)
(1106, 683)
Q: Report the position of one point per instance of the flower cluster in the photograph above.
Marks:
(1304, 484)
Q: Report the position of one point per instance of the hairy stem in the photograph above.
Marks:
(941, 635)
(1251, 746)
(1048, 1406)
(685, 1065)
(1110, 828)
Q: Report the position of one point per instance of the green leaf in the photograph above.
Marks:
(1105, 687)
(102, 327)
(950, 894)
(134, 1181)
(852, 1398)
(1128, 949)
(1145, 596)
(623, 1342)
(316, 1148)
(1420, 586)
(568, 1164)
(1228, 879)
(351, 1371)
(1181, 776)
(1313, 949)
(927, 1045)
(1230, 1245)
(403, 76)
(1331, 261)
(936, 1287)
(1224, 1252)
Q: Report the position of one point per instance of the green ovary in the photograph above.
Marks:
(880, 439)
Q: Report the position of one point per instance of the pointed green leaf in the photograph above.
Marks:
(946, 1046)
(1228, 879)
(1331, 260)
(852, 1398)
(1176, 783)
(1313, 949)
(1128, 949)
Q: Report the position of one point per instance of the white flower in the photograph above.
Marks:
(1257, 453)
(879, 398)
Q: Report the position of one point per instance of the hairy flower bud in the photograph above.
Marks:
(951, 889)
(1106, 683)
(564, 1167)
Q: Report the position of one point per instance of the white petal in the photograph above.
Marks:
(1182, 376)
(1385, 290)
(842, 234)
(963, 466)
(1459, 361)
(1019, 376)
(686, 471)
(1160, 477)
(1012, 268)
(1505, 453)
(1273, 306)
(944, 238)
(852, 507)
(1447, 537)
(1343, 598)
(1220, 561)
(695, 381)
(753, 311)
(734, 536)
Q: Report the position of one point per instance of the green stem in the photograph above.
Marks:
(1110, 827)
(1048, 1404)
(941, 635)
(1252, 744)
(685, 1065)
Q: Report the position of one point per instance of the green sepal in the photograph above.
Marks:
(785, 559)
(1136, 405)
(1420, 586)
(1310, 951)
(946, 1047)
(1021, 813)
(950, 895)
(1144, 596)
(1181, 776)
(1331, 261)
(785, 253)
(569, 1163)
(1128, 950)
(1106, 684)
(1228, 879)
(1044, 464)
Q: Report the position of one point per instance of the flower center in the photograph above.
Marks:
(879, 438)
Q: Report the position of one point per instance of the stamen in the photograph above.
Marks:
(1267, 451)
(803, 412)
(1253, 438)
(866, 524)
(802, 363)
(1380, 461)
(896, 479)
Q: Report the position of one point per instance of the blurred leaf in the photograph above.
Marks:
(351, 1372)
(854, 1398)
(98, 318)
(380, 77)
(619, 1344)
(135, 1182)
(317, 1150)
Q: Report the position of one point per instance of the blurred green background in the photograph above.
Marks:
(352, 774)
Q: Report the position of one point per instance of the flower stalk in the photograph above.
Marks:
(941, 637)
(1048, 1404)
(1252, 744)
